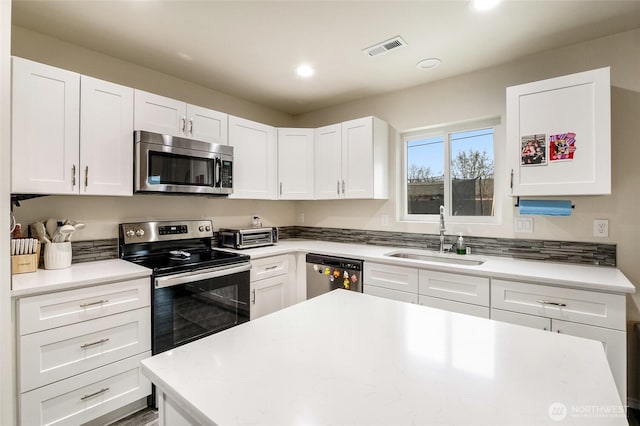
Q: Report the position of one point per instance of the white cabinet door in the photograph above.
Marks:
(401, 296)
(254, 159)
(615, 346)
(525, 320)
(155, 113)
(295, 164)
(45, 129)
(106, 138)
(365, 156)
(269, 295)
(451, 306)
(327, 161)
(570, 118)
(206, 125)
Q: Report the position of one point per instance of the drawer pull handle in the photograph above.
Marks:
(270, 268)
(99, 302)
(546, 302)
(88, 345)
(91, 395)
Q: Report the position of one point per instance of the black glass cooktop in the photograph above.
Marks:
(177, 261)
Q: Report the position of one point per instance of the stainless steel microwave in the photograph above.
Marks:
(176, 165)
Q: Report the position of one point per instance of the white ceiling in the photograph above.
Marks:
(250, 49)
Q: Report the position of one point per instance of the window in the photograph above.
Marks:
(451, 166)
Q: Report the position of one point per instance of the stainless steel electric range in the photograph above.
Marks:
(196, 290)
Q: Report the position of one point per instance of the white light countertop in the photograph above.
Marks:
(354, 359)
(600, 278)
(77, 275)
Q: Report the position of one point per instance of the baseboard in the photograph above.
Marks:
(633, 403)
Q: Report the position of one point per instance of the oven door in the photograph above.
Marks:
(192, 305)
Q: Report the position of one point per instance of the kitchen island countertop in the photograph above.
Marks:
(351, 358)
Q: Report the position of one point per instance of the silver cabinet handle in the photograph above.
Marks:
(343, 187)
(338, 187)
(86, 176)
(270, 268)
(88, 345)
(280, 188)
(99, 302)
(253, 297)
(91, 395)
(511, 184)
(546, 302)
(183, 126)
(191, 126)
(73, 176)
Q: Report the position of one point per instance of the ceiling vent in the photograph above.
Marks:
(385, 46)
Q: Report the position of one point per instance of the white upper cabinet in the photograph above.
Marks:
(159, 114)
(559, 135)
(254, 159)
(72, 134)
(106, 138)
(327, 157)
(354, 162)
(295, 164)
(45, 129)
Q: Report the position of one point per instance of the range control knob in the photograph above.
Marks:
(201, 228)
(208, 228)
(139, 233)
(130, 233)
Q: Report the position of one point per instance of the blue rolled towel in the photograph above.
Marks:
(545, 207)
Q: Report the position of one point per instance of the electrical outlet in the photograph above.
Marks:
(601, 228)
(523, 224)
(300, 217)
(385, 219)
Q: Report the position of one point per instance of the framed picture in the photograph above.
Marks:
(533, 150)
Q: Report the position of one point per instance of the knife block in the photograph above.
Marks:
(24, 263)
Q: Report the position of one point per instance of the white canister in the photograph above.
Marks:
(57, 255)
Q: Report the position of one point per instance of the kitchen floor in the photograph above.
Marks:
(146, 417)
(633, 416)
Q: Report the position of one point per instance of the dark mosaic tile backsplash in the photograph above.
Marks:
(556, 251)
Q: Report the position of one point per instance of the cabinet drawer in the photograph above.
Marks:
(401, 296)
(52, 310)
(587, 307)
(461, 288)
(269, 267)
(86, 396)
(525, 320)
(451, 306)
(53, 355)
(391, 277)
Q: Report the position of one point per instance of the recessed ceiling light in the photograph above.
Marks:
(427, 64)
(484, 4)
(305, 71)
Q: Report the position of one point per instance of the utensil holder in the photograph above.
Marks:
(57, 255)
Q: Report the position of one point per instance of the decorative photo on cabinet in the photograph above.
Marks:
(562, 146)
(533, 150)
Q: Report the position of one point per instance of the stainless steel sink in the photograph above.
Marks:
(433, 258)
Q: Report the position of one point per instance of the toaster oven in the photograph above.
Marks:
(248, 238)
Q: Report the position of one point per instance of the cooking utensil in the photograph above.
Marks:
(38, 229)
(51, 226)
(66, 231)
(13, 247)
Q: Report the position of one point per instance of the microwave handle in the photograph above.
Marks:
(218, 173)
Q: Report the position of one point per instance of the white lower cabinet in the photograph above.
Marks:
(84, 397)
(400, 296)
(589, 314)
(80, 350)
(453, 306)
(272, 285)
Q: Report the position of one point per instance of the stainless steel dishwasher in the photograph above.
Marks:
(326, 273)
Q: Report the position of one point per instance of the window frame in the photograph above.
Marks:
(445, 131)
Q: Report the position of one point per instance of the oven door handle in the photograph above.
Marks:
(200, 275)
